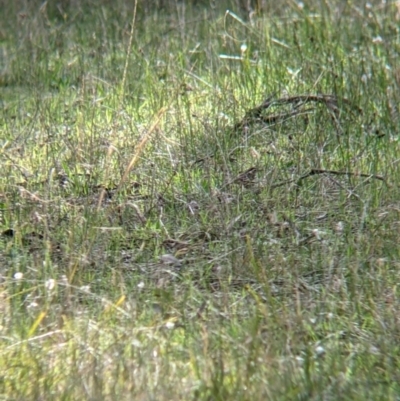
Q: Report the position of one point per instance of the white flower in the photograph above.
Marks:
(319, 350)
(170, 325)
(50, 284)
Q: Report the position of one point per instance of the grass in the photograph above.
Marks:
(137, 264)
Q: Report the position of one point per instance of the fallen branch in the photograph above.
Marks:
(316, 171)
(334, 172)
(256, 114)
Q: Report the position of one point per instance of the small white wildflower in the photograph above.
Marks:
(243, 48)
(50, 284)
(140, 285)
(85, 288)
(18, 276)
(319, 350)
(169, 325)
(377, 39)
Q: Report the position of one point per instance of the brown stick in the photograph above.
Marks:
(315, 171)
(255, 114)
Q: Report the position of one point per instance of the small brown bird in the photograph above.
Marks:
(246, 178)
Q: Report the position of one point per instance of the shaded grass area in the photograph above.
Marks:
(165, 236)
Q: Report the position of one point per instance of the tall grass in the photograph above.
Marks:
(161, 239)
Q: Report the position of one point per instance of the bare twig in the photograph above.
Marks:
(333, 172)
(315, 171)
(330, 101)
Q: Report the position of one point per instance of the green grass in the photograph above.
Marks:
(120, 149)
